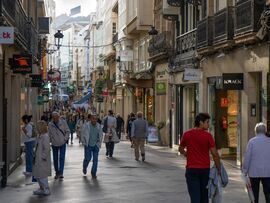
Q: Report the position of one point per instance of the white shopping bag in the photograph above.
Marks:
(249, 189)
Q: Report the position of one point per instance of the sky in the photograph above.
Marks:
(64, 6)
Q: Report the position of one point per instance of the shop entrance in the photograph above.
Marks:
(226, 123)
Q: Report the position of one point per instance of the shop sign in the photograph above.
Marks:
(36, 80)
(54, 75)
(152, 134)
(119, 94)
(6, 35)
(126, 55)
(233, 81)
(192, 74)
(22, 64)
(161, 88)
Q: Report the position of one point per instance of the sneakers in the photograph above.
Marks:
(136, 159)
(27, 173)
(42, 192)
(61, 177)
(56, 177)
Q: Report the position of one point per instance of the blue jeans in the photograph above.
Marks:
(109, 148)
(255, 184)
(88, 153)
(197, 180)
(59, 160)
(29, 154)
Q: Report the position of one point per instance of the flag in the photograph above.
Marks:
(75, 10)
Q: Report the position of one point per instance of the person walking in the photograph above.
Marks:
(129, 125)
(119, 125)
(91, 139)
(139, 132)
(81, 121)
(29, 143)
(195, 145)
(71, 121)
(109, 125)
(42, 159)
(256, 164)
(59, 133)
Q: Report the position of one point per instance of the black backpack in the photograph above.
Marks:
(105, 125)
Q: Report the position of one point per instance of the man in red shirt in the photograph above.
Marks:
(195, 145)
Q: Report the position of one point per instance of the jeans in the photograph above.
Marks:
(109, 148)
(71, 137)
(118, 132)
(29, 154)
(197, 180)
(59, 160)
(255, 184)
(88, 153)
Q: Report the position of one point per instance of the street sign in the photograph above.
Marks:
(6, 35)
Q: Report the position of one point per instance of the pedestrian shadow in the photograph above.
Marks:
(91, 183)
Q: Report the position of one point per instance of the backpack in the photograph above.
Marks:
(105, 125)
(34, 131)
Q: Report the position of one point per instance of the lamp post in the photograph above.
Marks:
(58, 39)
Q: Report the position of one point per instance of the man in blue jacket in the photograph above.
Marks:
(91, 139)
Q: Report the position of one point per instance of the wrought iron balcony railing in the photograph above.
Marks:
(161, 43)
(186, 42)
(9, 9)
(205, 33)
(115, 38)
(247, 15)
(223, 25)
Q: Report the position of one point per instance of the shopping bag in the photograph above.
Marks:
(249, 189)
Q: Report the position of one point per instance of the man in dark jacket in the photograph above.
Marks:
(139, 132)
(119, 125)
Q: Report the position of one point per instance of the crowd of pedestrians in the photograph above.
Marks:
(56, 130)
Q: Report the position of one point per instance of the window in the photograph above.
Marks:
(219, 5)
(114, 28)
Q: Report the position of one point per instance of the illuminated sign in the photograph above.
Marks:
(22, 64)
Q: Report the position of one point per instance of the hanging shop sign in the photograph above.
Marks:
(233, 81)
(22, 64)
(54, 75)
(192, 74)
(161, 88)
(36, 80)
(6, 35)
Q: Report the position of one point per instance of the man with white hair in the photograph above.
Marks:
(257, 163)
(139, 132)
(59, 134)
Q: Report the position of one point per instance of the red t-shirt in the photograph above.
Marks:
(198, 143)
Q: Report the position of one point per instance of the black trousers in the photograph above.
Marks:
(255, 184)
(118, 132)
(109, 148)
(197, 180)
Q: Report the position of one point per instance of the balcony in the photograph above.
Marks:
(223, 25)
(115, 38)
(247, 15)
(9, 10)
(160, 45)
(205, 33)
(186, 42)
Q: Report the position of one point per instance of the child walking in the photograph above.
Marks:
(42, 159)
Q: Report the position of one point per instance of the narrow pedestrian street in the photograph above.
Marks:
(120, 180)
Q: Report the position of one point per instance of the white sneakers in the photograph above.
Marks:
(42, 192)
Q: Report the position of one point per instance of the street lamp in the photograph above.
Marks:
(152, 31)
(58, 39)
(122, 65)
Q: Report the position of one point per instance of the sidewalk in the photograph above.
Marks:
(120, 180)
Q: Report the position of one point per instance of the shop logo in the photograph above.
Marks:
(233, 81)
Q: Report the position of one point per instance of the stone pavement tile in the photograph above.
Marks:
(120, 180)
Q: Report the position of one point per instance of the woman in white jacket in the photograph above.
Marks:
(42, 159)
